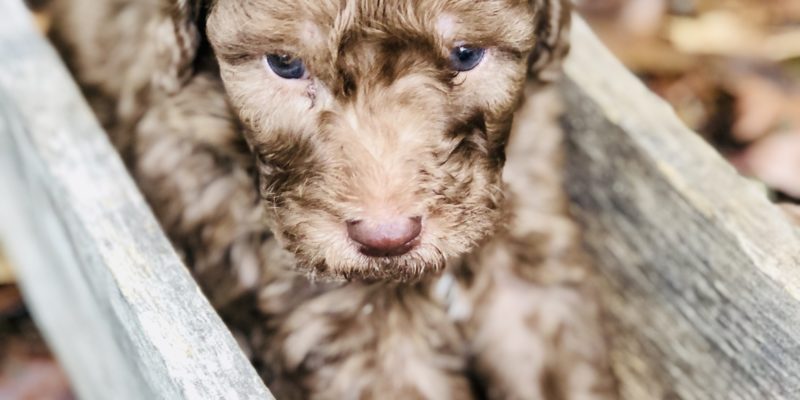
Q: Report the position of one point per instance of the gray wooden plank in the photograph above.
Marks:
(114, 301)
(699, 272)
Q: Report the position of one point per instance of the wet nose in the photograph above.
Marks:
(386, 237)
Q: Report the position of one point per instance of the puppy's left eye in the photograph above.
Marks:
(466, 58)
(286, 66)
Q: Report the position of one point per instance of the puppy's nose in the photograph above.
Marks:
(386, 237)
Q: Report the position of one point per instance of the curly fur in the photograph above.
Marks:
(253, 177)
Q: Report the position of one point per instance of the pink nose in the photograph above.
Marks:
(385, 238)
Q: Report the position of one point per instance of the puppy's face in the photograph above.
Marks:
(379, 126)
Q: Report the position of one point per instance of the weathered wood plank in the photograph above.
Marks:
(699, 272)
(114, 301)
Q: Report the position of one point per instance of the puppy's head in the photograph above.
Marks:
(379, 126)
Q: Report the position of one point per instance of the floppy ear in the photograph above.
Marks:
(552, 39)
(125, 47)
(177, 40)
(126, 53)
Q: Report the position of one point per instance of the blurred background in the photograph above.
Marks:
(730, 68)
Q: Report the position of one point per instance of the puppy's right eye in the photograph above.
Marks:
(286, 66)
(466, 58)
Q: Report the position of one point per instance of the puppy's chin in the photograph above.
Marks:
(344, 261)
(421, 262)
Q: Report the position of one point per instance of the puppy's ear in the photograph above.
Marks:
(177, 39)
(552, 39)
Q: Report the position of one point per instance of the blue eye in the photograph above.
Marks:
(465, 58)
(286, 66)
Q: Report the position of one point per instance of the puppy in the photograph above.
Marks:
(368, 191)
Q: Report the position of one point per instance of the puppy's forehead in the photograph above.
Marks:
(319, 24)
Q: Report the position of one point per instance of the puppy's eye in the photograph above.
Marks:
(286, 66)
(465, 58)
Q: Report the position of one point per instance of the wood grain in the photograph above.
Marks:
(114, 301)
(698, 270)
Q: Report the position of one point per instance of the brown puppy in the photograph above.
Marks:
(333, 172)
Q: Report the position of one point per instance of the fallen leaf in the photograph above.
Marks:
(765, 104)
(775, 160)
(643, 17)
(792, 211)
(720, 32)
(6, 273)
(33, 379)
(10, 300)
(758, 107)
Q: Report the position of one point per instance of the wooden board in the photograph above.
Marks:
(700, 274)
(121, 312)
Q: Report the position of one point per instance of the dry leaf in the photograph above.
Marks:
(758, 107)
(782, 45)
(763, 105)
(775, 160)
(10, 300)
(643, 17)
(6, 273)
(33, 379)
(717, 32)
(792, 211)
